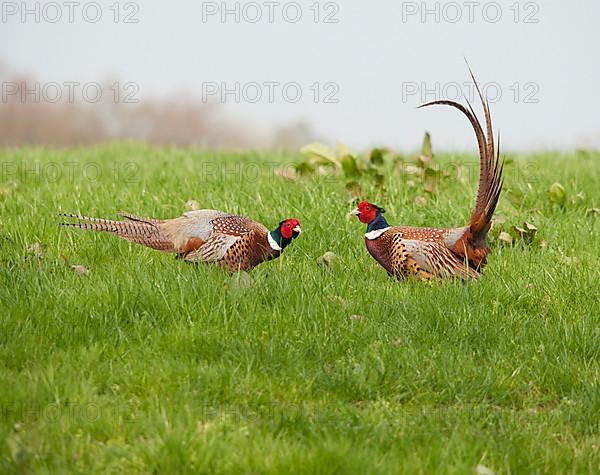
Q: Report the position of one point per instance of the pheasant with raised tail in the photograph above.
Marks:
(435, 253)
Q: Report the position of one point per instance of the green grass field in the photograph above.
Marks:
(149, 364)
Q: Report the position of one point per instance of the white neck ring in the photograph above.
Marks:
(376, 233)
(273, 243)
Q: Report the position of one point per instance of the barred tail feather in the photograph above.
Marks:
(490, 172)
(473, 243)
(145, 232)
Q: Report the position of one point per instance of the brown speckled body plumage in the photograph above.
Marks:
(436, 253)
(230, 241)
(418, 252)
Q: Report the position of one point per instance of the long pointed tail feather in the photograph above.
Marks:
(138, 230)
(491, 167)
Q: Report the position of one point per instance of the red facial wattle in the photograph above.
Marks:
(287, 228)
(368, 212)
(286, 231)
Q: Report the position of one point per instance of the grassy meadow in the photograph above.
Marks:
(136, 362)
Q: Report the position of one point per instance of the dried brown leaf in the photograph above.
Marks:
(80, 269)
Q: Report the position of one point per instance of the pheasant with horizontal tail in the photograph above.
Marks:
(233, 242)
(434, 253)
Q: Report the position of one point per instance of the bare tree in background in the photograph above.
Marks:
(155, 121)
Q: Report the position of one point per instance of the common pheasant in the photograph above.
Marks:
(435, 253)
(233, 242)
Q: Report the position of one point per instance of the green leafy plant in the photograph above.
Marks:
(558, 194)
(370, 169)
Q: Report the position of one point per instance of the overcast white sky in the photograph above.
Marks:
(380, 54)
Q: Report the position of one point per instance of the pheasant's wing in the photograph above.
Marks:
(226, 231)
(191, 230)
(435, 258)
(400, 261)
(200, 223)
(214, 249)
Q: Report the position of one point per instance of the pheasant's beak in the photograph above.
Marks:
(354, 212)
(297, 229)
